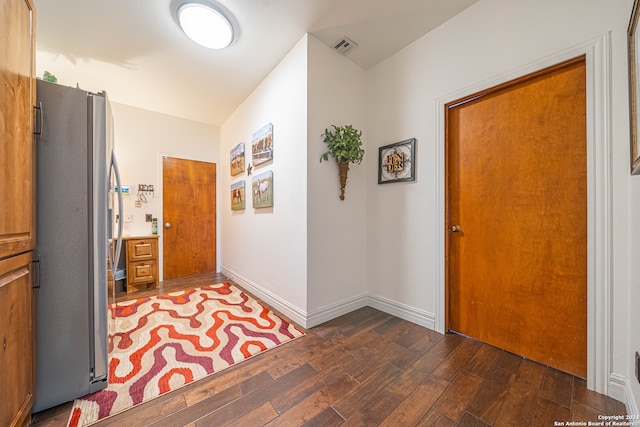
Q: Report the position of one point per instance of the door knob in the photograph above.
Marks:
(455, 228)
(167, 225)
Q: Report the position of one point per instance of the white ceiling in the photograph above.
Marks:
(135, 51)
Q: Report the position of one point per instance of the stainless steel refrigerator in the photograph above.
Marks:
(75, 167)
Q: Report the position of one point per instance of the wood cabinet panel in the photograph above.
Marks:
(142, 249)
(17, 218)
(16, 341)
(143, 271)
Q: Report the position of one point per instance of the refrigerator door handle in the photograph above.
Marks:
(40, 111)
(116, 256)
(37, 282)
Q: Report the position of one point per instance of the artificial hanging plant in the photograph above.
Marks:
(343, 144)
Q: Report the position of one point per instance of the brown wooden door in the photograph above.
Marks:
(517, 189)
(17, 98)
(189, 207)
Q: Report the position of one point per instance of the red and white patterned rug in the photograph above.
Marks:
(165, 342)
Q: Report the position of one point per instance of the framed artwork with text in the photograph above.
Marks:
(396, 162)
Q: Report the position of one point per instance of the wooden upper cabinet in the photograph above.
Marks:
(17, 147)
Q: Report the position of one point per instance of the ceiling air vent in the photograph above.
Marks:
(344, 45)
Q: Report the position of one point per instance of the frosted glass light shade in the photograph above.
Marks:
(205, 25)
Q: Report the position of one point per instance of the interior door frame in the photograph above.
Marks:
(160, 191)
(599, 199)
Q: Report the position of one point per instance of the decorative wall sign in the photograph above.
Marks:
(262, 190)
(237, 196)
(237, 159)
(262, 145)
(396, 162)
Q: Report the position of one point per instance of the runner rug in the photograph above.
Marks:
(165, 342)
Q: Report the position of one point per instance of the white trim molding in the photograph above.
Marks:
(403, 311)
(599, 197)
(336, 310)
(292, 312)
(324, 314)
(620, 389)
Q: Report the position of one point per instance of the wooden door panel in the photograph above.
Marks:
(517, 186)
(189, 205)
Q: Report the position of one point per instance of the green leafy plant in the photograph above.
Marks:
(345, 145)
(48, 77)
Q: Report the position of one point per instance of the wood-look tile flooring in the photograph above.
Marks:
(368, 368)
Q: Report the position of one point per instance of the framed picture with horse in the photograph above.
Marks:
(237, 159)
(262, 190)
(262, 145)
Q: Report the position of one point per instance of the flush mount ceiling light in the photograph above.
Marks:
(205, 25)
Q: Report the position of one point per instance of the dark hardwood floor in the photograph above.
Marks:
(368, 368)
(173, 285)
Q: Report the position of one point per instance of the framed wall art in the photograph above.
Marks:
(262, 145)
(396, 162)
(237, 196)
(237, 159)
(633, 43)
(262, 190)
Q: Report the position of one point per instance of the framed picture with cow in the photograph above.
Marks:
(237, 159)
(262, 145)
(237, 196)
(262, 190)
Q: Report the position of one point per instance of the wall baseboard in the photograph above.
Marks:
(408, 313)
(292, 312)
(336, 310)
(403, 311)
(324, 314)
(620, 389)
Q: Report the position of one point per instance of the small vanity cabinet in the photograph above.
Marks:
(142, 262)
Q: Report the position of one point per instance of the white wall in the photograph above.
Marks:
(141, 139)
(336, 229)
(490, 38)
(265, 250)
